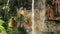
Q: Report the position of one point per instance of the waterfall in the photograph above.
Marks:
(41, 22)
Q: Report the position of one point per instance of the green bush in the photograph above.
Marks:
(2, 29)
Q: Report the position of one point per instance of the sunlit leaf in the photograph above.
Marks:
(3, 31)
(1, 22)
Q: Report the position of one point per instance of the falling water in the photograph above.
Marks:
(41, 21)
(8, 2)
(43, 27)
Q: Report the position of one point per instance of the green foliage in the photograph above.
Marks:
(5, 15)
(1, 22)
(6, 8)
(2, 2)
(13, 31)
(2, 30)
